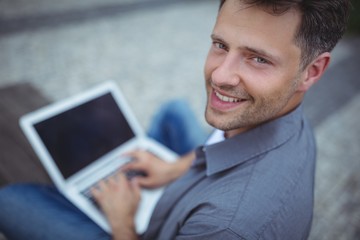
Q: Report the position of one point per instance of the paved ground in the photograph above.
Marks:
(155, 50)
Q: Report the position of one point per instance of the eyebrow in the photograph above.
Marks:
(263, 53)
(217, 37)
(254, 50)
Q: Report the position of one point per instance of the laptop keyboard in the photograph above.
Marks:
(129, 175)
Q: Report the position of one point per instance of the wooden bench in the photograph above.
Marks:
(18, 162)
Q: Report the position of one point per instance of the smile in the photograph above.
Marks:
(227, 99)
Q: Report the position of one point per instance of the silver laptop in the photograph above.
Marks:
(80, 140)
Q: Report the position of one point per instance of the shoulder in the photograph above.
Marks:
(278, 200)
(268, 195)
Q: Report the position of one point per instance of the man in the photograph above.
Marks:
(254, 177)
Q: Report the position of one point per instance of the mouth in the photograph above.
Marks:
(223, 103)
(226, 98)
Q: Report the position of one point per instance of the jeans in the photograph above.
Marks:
(32, 211)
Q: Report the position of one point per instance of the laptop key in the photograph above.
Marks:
(134, 173)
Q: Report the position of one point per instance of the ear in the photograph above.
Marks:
(314, 71)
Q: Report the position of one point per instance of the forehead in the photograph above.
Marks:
(254, 26)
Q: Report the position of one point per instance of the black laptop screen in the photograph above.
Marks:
(79, 136)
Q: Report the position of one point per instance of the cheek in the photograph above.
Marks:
(279, 91)
(271, 81)
(208, 68)
(211, 64)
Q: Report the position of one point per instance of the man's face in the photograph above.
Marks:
(252, 69)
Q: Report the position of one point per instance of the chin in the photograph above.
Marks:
(216, 119)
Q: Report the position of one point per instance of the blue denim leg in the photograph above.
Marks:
(176, 127)
(40, 212)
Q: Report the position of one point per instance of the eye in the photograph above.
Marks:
(220, 45)
(261, 60)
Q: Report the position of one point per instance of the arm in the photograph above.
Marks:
(119, 199)
(158, 172)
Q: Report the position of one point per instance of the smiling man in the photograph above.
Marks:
(254, 177)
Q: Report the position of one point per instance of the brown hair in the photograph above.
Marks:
(322, 26)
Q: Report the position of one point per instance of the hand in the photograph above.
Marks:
(119, 198)
(158, 172)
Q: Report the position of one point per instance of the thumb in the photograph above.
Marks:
(134, 165)
(144, 182)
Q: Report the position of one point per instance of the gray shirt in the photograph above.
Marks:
(256, 185)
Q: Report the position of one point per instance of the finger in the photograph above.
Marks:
(95, 192)
(144, 182)
(139, 165)
(101, 185)
(133, 166)
(112, 181)
(135, 185)
(121, 180)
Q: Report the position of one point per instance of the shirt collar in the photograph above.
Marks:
(245, 146)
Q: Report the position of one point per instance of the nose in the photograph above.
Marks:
(226, 73)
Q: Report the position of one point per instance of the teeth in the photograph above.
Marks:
(226, 99)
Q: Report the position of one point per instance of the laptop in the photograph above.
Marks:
(81, 140)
